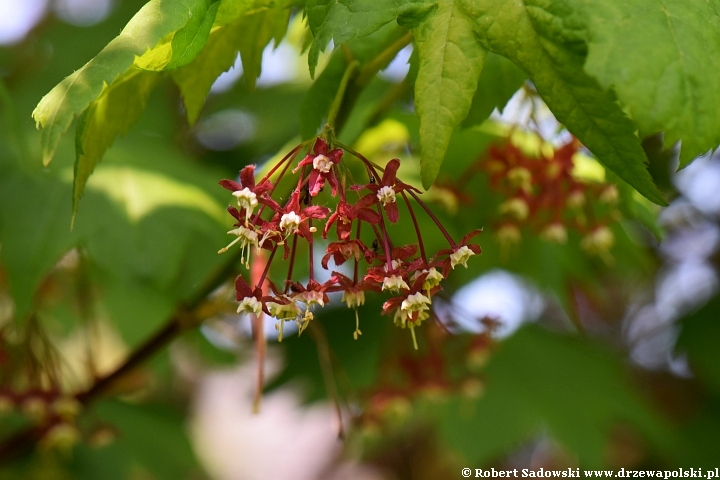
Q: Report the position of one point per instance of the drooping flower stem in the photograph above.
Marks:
(417, 227)
(290, 156)
(452, 242)
(311, 265)
(267, 267)
(292, 263)
(385, 239)
(258, 333)
(287, 158)
(355, 269)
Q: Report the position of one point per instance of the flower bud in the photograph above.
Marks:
(66, 408)
(515, 207)
(609, 194)
(7, 404)
(576, 199)
(35, 408)
(62, 436)
(508, 234)
(520, 177)
(555, 232)
(600, 240)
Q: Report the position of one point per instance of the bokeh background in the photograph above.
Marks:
(547, 357)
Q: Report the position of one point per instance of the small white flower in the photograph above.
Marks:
(386, 195)
(461, 256)
(321, 163)
(311, 297)
(250, 305)
(354, 299)
(289, 222)
(415, 302)
(432, 280)
(394, 282)
(283, 312)
(247, 200)
(401, 319)
(247, 238)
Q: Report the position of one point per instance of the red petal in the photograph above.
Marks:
(242, 289)
(389, 176)
(335, 155)
(469, 236)
(247, 176)
(367, 200)
(315, 211)
(325, 260)
(333, 182)
(367, 215)
(262, 187)
(308, 160)
(316, 182)
(236, 213)
(392, 212)
(293, 205)
(321, 147)
(401, 253)
(265, 200)
(230, 185)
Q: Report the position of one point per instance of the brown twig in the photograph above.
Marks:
(22, 442)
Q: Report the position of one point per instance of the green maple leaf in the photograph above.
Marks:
(343, 20)
(451, 60)
(117, 108)
(190, 40)
(259, 29)
(546, 39)
(249, 34)
(56, 111)
(660, 56)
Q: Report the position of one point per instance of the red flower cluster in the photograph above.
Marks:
(405, 271)
(542, 193)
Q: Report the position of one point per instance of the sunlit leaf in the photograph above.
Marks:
(69, 98)
(117, 108)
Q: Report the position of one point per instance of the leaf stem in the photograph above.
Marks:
(340, 96)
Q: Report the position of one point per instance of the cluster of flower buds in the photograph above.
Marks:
(265, 223)
(543, 194)
(51, 409)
